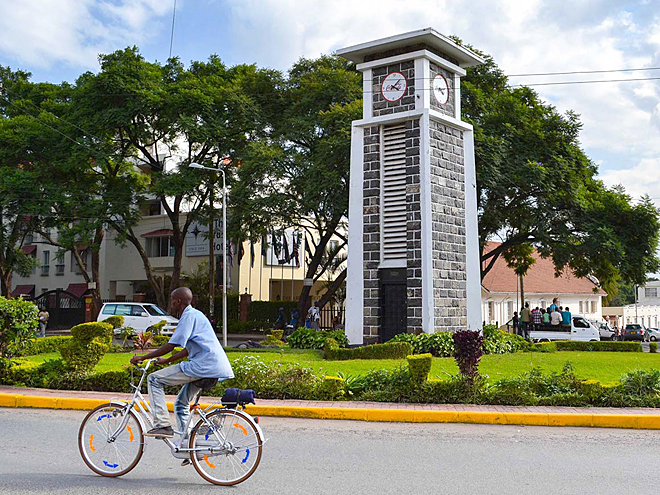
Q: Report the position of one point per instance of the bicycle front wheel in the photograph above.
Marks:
(105, 456)
(227, 448)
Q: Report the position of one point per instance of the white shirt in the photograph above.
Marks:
(314, 314)
(555, 318)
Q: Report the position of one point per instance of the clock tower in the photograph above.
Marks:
(413, 252)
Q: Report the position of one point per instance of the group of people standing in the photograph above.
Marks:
(537, 318)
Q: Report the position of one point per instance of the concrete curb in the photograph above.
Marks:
(635, 421)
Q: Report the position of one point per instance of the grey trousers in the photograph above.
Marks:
(172, 375)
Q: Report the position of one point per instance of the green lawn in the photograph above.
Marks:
(603, 366)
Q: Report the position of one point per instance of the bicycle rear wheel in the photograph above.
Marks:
(230, 447)
(100, 454)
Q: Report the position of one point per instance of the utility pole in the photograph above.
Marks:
(211, 254)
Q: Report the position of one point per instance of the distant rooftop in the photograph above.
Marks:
(426, 36)
(540, 278)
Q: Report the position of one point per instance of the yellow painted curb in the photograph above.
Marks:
(637, 421)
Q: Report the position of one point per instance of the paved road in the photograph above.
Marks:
(310, 457)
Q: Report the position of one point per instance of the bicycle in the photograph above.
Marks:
(224, 446)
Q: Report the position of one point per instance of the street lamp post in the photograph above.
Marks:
(224, 250)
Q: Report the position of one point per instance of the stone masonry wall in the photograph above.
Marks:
(383, 107)
(448, 228)
(413, 228)
(449, 107)
(371, 232)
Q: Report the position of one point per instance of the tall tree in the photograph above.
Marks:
(297, 175)
(166, 112)
(535, 186)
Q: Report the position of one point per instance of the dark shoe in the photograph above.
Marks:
(185, 462)
(163, 432)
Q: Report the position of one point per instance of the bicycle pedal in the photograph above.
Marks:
(185, 462)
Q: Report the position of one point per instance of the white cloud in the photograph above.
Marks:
(42, 33)
(643, 178)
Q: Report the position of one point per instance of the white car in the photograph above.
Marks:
(139, 316)
(652, 334)
(606, 331)
(580, 329)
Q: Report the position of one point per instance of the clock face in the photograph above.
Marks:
(441, 89)
(394, 86)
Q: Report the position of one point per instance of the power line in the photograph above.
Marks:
(530, 74)
(561, 83)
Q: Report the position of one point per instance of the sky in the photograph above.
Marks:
(58, 40)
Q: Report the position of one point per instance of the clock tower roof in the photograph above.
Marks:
(427, 37)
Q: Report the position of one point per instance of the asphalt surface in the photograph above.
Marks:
(303, 456)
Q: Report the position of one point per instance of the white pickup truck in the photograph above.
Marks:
(580, 329)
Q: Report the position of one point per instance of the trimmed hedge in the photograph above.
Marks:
(610, 346)
(44, 344)
(308, 338)
(420, 366)
(441, 344)
(117, 321)
(18, 322)
(653, 347)
(390, 350)
(89, 342)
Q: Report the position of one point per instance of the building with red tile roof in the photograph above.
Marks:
(500, 294)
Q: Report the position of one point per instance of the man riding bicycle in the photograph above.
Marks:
(206, 359)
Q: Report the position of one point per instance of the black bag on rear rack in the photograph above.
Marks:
(234, 397)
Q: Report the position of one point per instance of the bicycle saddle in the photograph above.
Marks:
(205, 383)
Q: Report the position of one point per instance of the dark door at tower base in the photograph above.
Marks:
(393, 307)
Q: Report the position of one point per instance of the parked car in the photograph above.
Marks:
(633, 331)
(580, 329)
(606, 331)
(140, 316)
(652, 334)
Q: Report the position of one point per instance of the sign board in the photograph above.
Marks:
(91, 285)
(197, 239)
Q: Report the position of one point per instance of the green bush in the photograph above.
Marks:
(640, 382)
(390, 350)
(441, 344)
(544, 347)
(420, 366)
(157, 327)
(88, 344)
(308, 338)
(497, 341)
(18, 322)
(235, 326)
(43, 345)
(330, 388)
(160, 340)
(610, 346)
(117, 321)
(653, 347)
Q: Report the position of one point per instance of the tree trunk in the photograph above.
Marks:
(5, 282)
(96, 272)
(522, 293)
(336, 283)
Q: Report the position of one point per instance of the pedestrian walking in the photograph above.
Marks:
(43, 322)
(526, 318)
(516, 323)
(314, 316)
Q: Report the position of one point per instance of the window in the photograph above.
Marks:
(75, 268)
(393, 194)
(59, 264)
(159, 247)
(138, 311)
(123, 309)
(109, 309)
(154, 208)
(581, 305)
(651, 292)
(509, 310)
(580, 323)
(29, 239)
(593, 306)
(154, 310)
(332, 246)
(491, 311)
(45, 266)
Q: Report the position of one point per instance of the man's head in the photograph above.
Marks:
(180, 299)
(566, 308)
(316, 303)
(555, 300)
(527, 305)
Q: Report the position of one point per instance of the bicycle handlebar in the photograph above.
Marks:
(145, 368)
